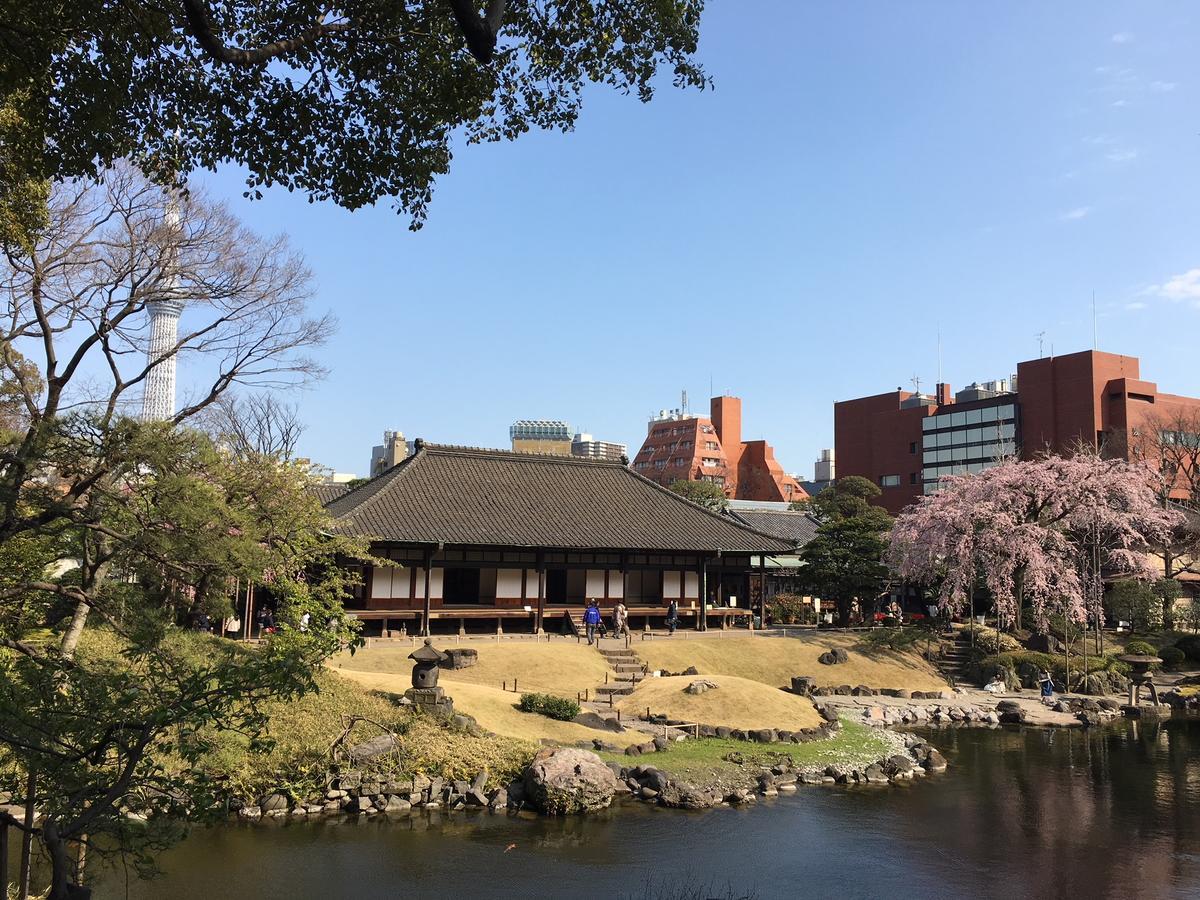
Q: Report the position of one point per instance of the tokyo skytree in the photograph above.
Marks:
(158, 400)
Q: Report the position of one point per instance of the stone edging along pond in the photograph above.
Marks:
(565, 780)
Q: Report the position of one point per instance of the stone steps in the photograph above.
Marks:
(620, 688)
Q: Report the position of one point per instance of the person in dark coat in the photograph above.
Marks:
(672, 616)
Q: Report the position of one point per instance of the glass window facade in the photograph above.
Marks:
(969, 441)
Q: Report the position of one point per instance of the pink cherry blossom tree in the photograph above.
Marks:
(1039, 532)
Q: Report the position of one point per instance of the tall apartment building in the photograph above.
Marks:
(393, 451)
(905, 441)
(551, 436)
(583, 444)
(682, 446)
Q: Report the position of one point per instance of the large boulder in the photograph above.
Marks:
(374, 748)
(680, 795)
(1044, 643)
(459, 658)
(833, 657)
(564, 780)
(803, 685)
(701, 686)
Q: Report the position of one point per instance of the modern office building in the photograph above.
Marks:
(680, 446)
(906, 441)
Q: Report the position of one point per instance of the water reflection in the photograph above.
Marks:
(1022, 813)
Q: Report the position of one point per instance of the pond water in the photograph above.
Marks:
(1021, 813)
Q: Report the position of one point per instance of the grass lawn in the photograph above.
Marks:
(495, 710)
(704, 760)
(774, 660)
(564, 668)
(737, 703)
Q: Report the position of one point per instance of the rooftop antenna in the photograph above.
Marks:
(916, 382)
(1095, 331)
(1041, 336)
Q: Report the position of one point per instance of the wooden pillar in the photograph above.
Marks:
(425, 610)
(702, 621)
(762, 594)
(3, 859)
(541, 595)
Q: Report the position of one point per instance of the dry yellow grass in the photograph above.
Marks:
(774, 660)
(738, 703)
(562, 667)
(495, 710)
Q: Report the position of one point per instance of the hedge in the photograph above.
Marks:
(550, 706)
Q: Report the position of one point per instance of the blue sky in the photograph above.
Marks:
(861, 175)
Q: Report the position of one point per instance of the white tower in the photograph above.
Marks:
(158, 400)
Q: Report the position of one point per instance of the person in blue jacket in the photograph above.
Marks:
(591, 620)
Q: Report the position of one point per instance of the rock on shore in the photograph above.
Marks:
(564, 781)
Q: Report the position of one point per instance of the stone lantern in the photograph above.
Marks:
(1139, 677)
(425, 691)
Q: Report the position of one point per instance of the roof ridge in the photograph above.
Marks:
(392, 473)
(702, 508)
(520, 455)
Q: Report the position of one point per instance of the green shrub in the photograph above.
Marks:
(1140, 648)
(550, 706)
(990, 642)
(1028, 664)
(791, 609)
(893, 639)
(1190, 646)
(1171, 656)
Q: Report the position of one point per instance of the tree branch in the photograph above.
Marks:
(201, 25)
(480, 32)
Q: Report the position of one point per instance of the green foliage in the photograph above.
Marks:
(550, 706)
(1134, 602)
(1140, 648)
(894, 639)
(990, 642)
(848, 497)
(705, 493)
(1172, 657)
(1189, 615)
(791, 609)
(1190, 645)
(362, 106)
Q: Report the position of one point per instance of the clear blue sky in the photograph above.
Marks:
(861, 174)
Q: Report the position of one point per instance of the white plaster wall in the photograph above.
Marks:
(691, 585)
(531, 584)
(671, 584)
(616, 584)
(595, 584)
(508, 584)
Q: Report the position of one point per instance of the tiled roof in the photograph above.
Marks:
(462, 495)
(798, 528)
(327, 493)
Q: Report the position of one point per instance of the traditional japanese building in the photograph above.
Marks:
(522, 542)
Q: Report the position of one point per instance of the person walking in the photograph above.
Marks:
(591, 620)
(672, 616)
(1046, 682)
(620, 619)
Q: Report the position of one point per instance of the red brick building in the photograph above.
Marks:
(904, 441)
(683, 447)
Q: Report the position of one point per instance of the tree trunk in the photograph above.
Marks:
(61, 866)
(27, 836)
(70, 638)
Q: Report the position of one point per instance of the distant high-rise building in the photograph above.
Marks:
(158, 395)
(551, 436)
(393, 451)
(823, 468)
(584, 444)
(680, 446)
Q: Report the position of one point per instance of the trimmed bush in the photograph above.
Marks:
(990, 642)
(1190, 646)
(1027, 665)
(1172, 657)
(548, 705)
(1140, 648)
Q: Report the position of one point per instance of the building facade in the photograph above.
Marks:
(680, 446)
(586, 446)
(905, 441)
(552, 436)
